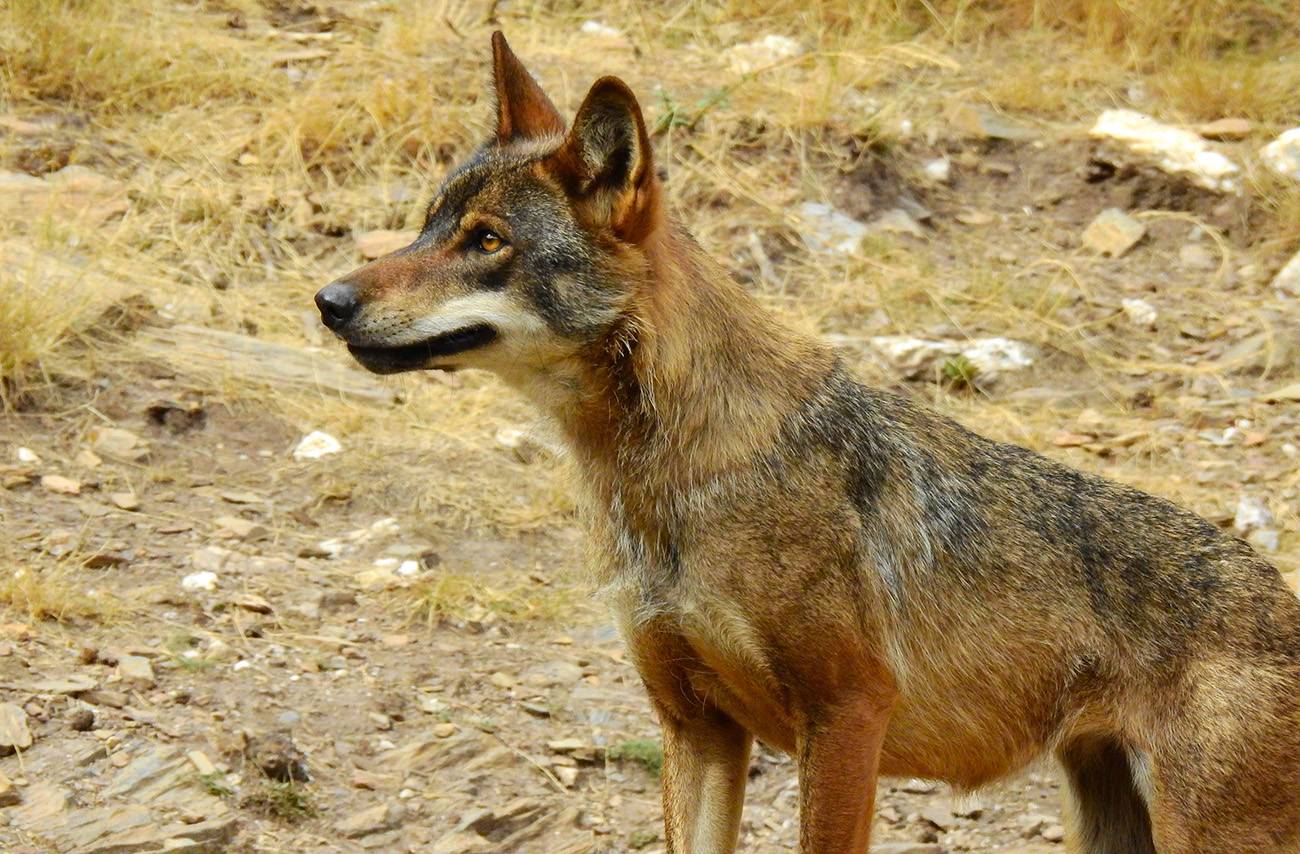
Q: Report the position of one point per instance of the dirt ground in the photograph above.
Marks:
(208, 643)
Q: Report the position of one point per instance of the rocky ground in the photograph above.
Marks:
(267, 688)
(254, 600)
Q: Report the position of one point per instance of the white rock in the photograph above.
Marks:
(242, 664)
(1139, 311)
(408, 568)
(1287, 280)
(828, 230)
(995, 356)
(596, 28)
(1252, 514)
(197, 581)
(315, 445)
(26, 455)
(751, 56)
(939, 170)
(913, 356)
(332, 547)
(1172, 149)
(1282, 155)
(918, 357)
(1264, 539)
(896, 221)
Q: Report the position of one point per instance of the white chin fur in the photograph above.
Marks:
(491, 307)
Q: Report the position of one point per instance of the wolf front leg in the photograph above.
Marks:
(839, 756)
(706, 762)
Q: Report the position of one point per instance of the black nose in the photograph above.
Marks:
(338, 304)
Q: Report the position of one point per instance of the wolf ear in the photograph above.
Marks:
(523, 110)
(609, 162)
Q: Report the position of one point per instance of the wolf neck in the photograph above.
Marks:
(701, 384)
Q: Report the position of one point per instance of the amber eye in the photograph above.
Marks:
(489, 242)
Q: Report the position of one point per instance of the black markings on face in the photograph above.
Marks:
(552, 262)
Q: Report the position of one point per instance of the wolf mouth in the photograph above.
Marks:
(411, 357)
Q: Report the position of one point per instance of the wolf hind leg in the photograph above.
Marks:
(1107, 805)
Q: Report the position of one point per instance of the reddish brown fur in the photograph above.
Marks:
(844, 574)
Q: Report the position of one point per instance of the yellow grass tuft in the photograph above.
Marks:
(61, 593)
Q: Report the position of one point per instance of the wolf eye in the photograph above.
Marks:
(489, 242)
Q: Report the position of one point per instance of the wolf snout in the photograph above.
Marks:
(338, 304)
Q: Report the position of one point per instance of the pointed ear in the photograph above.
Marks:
(609, 162)
(523, 110)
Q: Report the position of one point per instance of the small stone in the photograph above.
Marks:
(199, 581)
(502, 680)
(596, 28)
(252, 602)
(907, 848)
(106, 697)
(1113, 233)
(551, 674)
(566, 745)
(61, 485)
(316, 444)
(521, 445)
(751, 56)
(1053, 833)
(288, 718)
(1282, 155)
(136, 671)
(1264, 539)
(125, 500)
(244, 529)
(14, 734)
(118, 443)
(81, 720)
(977, 122)
(826, 230)
(9, 794)
(939, 170)
(896, 221)
(376, 819)
(459, 842)
(381, 721)
(1226, 129)
(1287, 280)
(567, 775)
(1252, 514)
(202, 764)
(940, 817)
(27, 455)
(918, 787)
(374, 244)
(444, 730)
(209, 559)
(974, 217)
(1194, 256)
(87, 458)
(1141, 312)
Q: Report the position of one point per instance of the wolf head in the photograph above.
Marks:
(530, 250)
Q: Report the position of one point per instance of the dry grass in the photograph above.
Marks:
(467, 597)
(250, 163)
(62, 592)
